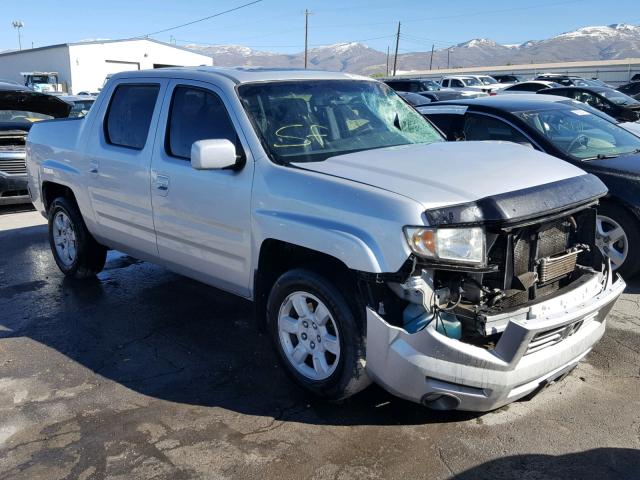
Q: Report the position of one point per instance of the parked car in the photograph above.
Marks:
(366, 241)
(414, 99)
(20, 108)
(80, 104)
(532, 86)
(636, 78)
(507, 78)
(465, 83)
(615, 104)
(632, 89)
(491, 82)
(564, 129)
(429, 89)
(566, 80)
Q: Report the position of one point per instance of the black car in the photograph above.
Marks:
(428, 89)
(504, 78)
(632, 89)
(565, 130)
(566, 80)
(612, 102)
(414, 99)
(20, 108)
(636, 78)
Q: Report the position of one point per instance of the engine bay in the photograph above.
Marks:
(526, 264)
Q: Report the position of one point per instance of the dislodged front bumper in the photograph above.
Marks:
(13, 179)
(430, 368)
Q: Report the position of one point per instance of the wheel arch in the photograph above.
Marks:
(278, 256)
(52, 190)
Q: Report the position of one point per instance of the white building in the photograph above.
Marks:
(83, 66)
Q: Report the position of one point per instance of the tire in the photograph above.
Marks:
(625, 260)
(343, 349)
(75, 251)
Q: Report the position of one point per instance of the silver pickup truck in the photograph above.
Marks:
(457, 275)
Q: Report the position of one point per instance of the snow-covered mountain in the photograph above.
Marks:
(587, 43)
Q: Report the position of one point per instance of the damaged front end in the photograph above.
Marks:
(474, 320)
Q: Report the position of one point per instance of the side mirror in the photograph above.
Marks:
(213, 154)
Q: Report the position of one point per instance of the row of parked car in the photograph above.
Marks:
(578, 120)
(20, 108)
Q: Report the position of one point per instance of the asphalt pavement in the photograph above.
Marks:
(144, 374)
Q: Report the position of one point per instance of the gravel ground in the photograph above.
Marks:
(146, 374)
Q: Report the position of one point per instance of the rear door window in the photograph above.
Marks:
(196, 114)
(129, 115)
(482, 127)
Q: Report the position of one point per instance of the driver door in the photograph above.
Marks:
(202, 217)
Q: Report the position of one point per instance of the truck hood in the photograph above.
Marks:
(34, 102)
(448, 173)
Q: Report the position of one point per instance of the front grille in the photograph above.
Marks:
(552, 336)
(13, 166)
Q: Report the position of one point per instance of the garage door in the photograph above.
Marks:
(115, 66)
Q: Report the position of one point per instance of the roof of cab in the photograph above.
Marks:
(241, 74)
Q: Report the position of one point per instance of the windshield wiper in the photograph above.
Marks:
(601, 156)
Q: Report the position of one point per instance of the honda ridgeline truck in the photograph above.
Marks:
(457, 275)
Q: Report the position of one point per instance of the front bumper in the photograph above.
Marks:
(430, 368)
(13, 189)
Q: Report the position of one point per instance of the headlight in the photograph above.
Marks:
(457, 245)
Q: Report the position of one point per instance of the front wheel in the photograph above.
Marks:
(75, 251)
(618, 237)
(316, 336)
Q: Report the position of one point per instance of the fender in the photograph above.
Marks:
(352, 246)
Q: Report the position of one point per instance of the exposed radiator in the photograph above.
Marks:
(557, 266)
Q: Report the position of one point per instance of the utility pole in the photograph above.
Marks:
(17, 24)
(431, 61)
(395, 57)
(448, 56)
(306, 36)
(387, 74)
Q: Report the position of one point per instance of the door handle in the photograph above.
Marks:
(162, 184)
(93, 167)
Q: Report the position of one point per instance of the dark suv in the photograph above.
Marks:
(632, 89)
(428, 89)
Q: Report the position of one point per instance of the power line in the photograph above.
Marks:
(203, 19)
(199, 42)
(461, 15)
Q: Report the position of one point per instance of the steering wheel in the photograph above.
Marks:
(581, 140)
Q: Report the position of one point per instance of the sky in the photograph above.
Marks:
(278, 25)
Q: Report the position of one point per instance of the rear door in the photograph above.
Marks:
(202, 217)
(120, 165)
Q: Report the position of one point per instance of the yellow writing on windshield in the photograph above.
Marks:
(311, 133)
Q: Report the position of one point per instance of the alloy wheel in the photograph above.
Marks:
(612, 240)
(309, 336)
(64, 238)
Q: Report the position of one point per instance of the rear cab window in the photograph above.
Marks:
(129, 114)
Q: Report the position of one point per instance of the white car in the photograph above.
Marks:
(471, 83)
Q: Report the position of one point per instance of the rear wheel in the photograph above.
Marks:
(75, 251)
(619, 239)
(316, 336)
